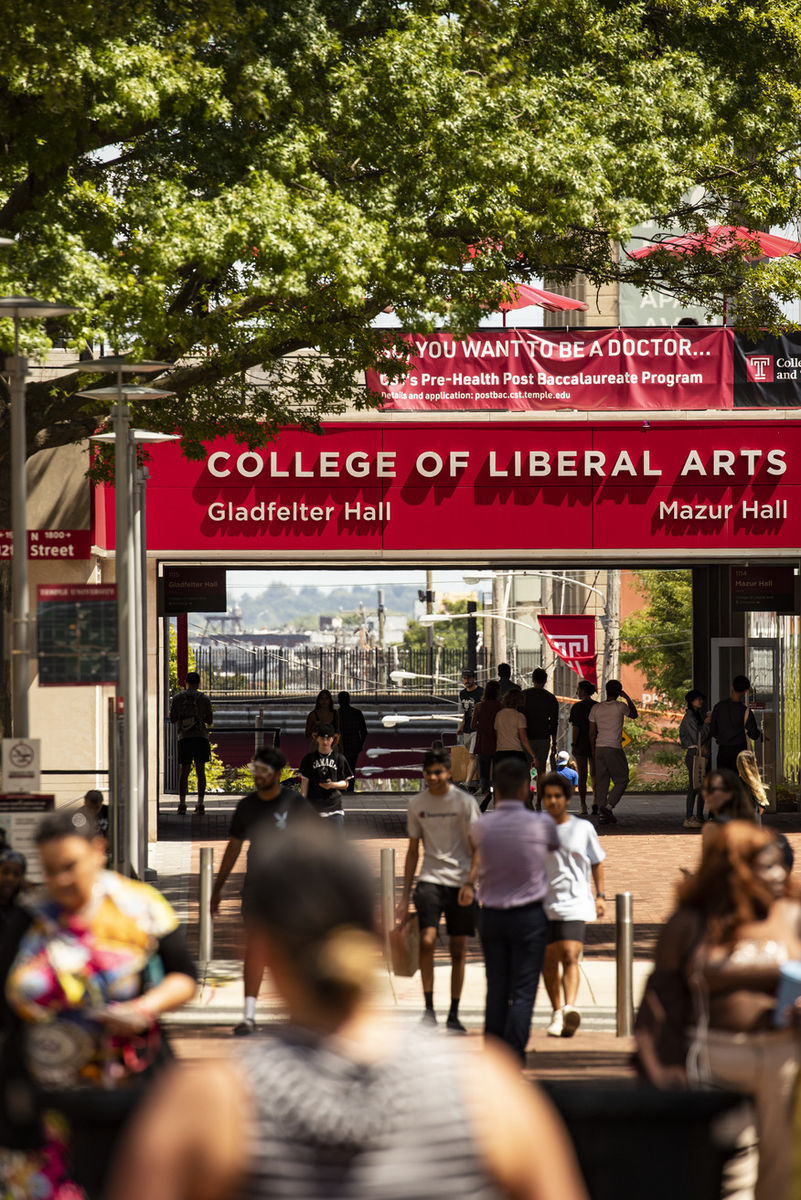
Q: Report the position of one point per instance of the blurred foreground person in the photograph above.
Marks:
(716, 974)
(13, 866)
(80, 1020)
(340, 1102)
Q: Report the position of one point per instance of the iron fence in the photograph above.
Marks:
(236, 670)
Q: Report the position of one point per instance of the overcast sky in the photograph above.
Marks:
(255, 581)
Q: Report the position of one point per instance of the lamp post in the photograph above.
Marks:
(137, 579)
(21, 308)
(129, 622)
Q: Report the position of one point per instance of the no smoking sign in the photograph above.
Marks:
(21, 765)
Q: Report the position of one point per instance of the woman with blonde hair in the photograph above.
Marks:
(338, 1102)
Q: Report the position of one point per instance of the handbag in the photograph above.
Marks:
(700, 763)
(404, 946)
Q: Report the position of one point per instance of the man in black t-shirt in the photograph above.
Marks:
(265, 812)
(324, 776)
(582, 747)
(352, 734)
(733, 723)
(541, 710)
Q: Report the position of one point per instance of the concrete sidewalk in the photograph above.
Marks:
(219, 998)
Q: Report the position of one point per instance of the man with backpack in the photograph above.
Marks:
(190, 713)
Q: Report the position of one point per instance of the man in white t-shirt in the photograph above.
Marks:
(569, 903)
(606, 738)
(441, 816)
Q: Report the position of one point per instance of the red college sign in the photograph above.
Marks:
(387, 487)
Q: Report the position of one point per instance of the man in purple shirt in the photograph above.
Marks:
(512, 845)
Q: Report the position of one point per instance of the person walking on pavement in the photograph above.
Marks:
(582, 747)
(513, 845)
(324, 777)
(694, 733)
(191, 714)
(606, 738)
(569, 903)
(266, 812)
(510, 731)
(541, 710)
(484, 716)
(505, 681)
(352, 734)
(469, 697)
(441, 817)
(733, 723)
(342, 1102)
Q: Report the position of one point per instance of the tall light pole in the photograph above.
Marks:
(138, 591)
(21, 308)
(128, 602)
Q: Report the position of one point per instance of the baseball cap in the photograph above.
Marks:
(324, 731)
(563, 758)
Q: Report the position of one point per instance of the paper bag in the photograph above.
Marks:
(404, 946)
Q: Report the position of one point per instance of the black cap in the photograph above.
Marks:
(324, 731)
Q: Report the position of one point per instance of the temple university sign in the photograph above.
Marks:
(389, 487)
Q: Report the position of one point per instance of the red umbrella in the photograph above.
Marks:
(720, 239)
(523, 295)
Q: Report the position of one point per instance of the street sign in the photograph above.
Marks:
(20, 814)
(51, 543)
(21, 763)
(192, 589)
(768, 588)
(76, 632)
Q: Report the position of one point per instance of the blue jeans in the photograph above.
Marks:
(513, 941)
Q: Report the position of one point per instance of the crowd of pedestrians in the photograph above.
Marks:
(91, 1106)
(532, 874)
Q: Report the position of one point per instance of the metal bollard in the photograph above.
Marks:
(387, 897)
(206, 941)
(624, 960)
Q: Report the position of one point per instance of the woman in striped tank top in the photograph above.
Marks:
(339, 1103)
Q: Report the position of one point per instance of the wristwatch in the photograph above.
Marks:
(600, 895)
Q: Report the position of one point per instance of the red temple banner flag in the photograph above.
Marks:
(572, 638)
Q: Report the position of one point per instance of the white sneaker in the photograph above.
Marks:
(555, 1027)
(571, 1019)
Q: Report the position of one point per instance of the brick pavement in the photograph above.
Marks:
(646, 853)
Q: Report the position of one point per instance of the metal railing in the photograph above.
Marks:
(236, 670)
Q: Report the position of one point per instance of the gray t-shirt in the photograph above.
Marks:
(609, 716)
(443, 822)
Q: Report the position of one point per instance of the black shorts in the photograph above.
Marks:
(193, 750)
(566, 931)
(433, 899)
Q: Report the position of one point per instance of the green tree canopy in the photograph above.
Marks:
(658, 638)
(450, 635)
(233, 185)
